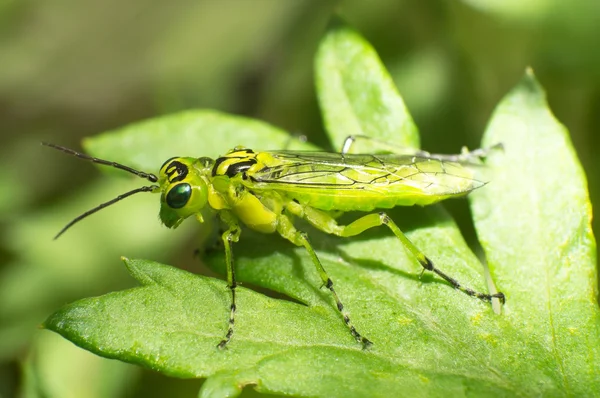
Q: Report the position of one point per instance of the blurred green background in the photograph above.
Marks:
(70, 69)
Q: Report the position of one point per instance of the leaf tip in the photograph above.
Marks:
(339, 33)
(56, 321)
(337, 22)
(530, 86)
(529, 71)
(136, 269)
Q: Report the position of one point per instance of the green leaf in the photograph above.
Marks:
(146, 145)
(357, 94)
(173, 322)
(533, 221)
(429, 340)
(32, 286)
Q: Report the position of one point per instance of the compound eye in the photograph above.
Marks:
(179, 195)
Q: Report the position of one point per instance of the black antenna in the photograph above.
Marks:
(148, 176)
(102, 206)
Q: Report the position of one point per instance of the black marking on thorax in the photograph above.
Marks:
(234, 163)
(239, 167)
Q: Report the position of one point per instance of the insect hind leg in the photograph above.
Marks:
(327, 224)
(375, 145)
(428, 265)
(465, 156)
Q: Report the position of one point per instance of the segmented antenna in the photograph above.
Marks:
(102, 206)
(148, 176)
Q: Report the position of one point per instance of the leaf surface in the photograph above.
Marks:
(429, 340)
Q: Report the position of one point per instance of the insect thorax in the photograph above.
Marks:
(235, 162)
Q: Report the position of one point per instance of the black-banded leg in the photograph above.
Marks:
(230, 236)
(286, 228)
(427, 264)
(326, 223)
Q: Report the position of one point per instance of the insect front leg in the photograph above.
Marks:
(328, 224)
(231, 235)
(286, 228)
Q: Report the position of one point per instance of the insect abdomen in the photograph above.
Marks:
(364, 200)
(359, 182)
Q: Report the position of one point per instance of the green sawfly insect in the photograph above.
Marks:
(266, 190)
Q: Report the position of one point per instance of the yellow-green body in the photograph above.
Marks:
(266, 191)
(256, 186)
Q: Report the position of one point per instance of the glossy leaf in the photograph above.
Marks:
(357, 94)
(429, 340)
(533, 221)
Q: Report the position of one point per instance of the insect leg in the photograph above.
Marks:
(231, 235)
(328, 224)
(425, 262)
(286, 229)
(464, 157)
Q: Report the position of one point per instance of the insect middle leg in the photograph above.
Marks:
(231, 235)
(286, 228)
(326, 223)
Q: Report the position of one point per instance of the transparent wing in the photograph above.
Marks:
(323, 170)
